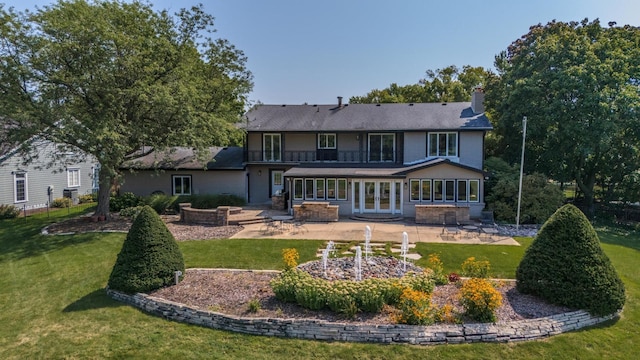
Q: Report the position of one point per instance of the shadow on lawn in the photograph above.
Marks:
(20, 238)
(622, 237)
(96, 299)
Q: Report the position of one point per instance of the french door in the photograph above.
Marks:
(377, 196)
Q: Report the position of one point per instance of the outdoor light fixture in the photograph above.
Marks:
(259, 172)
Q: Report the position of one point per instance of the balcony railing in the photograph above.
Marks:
(324, 156)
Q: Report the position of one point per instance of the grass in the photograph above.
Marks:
(53, 303)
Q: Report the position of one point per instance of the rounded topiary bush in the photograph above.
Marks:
(565, 265)
(149, 256)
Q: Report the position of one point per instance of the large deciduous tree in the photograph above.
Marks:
(109, 77)
(449, 84)
(579, 86)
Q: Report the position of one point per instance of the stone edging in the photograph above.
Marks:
(512, 331)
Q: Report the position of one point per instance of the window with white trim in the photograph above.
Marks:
(342, 189)
(271, 147)
(20, 187)
(326, 141)
(73, 177)
(181, 184)
(331, 189)
(320, 189)
(298, 189)
(442, 144)
(308, 189)
(444, 190)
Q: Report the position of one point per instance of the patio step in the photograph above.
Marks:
(247, 221)
(376, 217)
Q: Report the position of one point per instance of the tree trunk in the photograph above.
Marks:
(587, 189)
(104, 192)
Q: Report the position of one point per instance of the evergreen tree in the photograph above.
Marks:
(565, 265)
(149, 256)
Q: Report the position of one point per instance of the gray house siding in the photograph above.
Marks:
(415, 146)
(145, 182)
(444, 172)
(39, 178)
(471, 148)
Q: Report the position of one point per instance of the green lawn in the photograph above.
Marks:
(53, 303)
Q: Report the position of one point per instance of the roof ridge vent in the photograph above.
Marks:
(444, 104)
(377, 104)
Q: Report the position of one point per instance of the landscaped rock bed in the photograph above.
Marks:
(230, 292)
(344, 268)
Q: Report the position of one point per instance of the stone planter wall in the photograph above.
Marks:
(323, 330)
(433, 214)
(316, 211)
(218, 217)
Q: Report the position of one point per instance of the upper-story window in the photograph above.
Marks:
(327, 148)
(326, 141)
(73, 177)
(443, 144)
(271, 147)
(20, 186)
(382, 147)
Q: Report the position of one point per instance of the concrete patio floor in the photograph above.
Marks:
(350, 230)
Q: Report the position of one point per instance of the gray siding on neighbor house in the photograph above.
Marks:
(472, 148)
(39, 177)
(145, 182)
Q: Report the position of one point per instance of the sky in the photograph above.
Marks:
(314, 51)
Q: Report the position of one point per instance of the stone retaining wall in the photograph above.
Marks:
(395, 333)
(218, 217)
(433, 214)
(316, 211)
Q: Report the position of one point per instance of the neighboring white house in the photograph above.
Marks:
(35, 184)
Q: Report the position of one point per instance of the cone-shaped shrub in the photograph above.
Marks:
(149, 256)
(565, 265)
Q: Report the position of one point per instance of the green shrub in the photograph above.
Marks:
(9, 211)
(476, 268)
(160, 202)
(131, 212)
(540, 198)
(312, 293)
(62, 202)
(84, 199)
(284, 285)
(340, 298)
(565, 265)
(149, 256)
(126, 200)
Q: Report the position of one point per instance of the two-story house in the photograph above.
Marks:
(54, 171)
(370, 158)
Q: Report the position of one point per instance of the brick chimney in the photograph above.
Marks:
(477, 100)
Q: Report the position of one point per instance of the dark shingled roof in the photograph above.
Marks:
(182, 158)
(366, 117)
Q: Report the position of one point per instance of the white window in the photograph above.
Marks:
(443, 144)
(320, 189)
(326, 141)
(73, 177)
(474, 190)
(20, 187)
(331, 189)
(181, 184)
(414, 187)
(298, 189)
(308, 189)
(271, 150)
(342, 189)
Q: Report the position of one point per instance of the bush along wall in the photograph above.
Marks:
(565, 265)
(149, 256)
